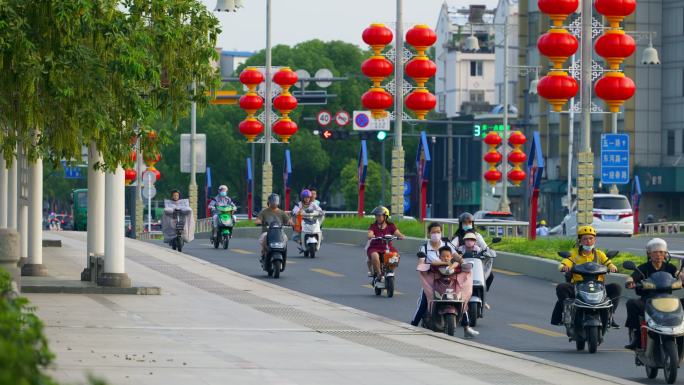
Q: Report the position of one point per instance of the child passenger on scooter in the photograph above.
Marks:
(446, 258)
(464, 280)
(469, 244)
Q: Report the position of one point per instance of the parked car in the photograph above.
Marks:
(494, 215)
(612, 216)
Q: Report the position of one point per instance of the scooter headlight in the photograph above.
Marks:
(393, 260)
(277, 245)
(592, 297)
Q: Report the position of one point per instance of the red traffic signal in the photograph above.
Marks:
(334, 134)
(326, 134)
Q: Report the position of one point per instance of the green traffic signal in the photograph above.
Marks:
(381, 135)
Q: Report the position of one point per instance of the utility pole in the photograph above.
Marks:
(504, 204)
(585, 172)
(192, 189)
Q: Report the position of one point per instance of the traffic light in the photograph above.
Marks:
(334, 134)
(381, 135)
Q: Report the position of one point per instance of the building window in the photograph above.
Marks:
(476, 68)
(477, 96)
(670, 143)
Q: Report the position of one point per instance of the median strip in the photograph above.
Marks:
(534, 329)
(327, 272)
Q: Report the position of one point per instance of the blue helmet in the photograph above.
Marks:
(306, 194)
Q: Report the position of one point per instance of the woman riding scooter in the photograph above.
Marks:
(586, 252)
(466, 223)
(380, 228)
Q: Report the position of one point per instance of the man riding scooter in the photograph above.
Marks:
(586, 252)
(270, 215)
(221, 199)
(313, 212)
(656, 252)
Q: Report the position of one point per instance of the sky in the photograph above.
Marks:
(295, 21)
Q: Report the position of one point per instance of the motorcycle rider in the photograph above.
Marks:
(543, 229)
(314, 194)
(656, 252)
(307, 202)
(469, 244)
(221, 199)
(380, 228)
(175, 195)
(269, 215)
(466, 223)
(586, 252)
(429, 253)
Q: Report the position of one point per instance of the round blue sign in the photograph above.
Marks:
(407, 188)
(362, 120)
(407, 205)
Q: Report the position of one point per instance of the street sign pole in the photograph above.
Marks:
(149, 202)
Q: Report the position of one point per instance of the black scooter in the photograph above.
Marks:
(662, 326)
(587, 316)
(275, 259)
(179, 220)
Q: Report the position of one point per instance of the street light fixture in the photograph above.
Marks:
(533, 85)
(650, 54)
(472, 44)
(227, 5)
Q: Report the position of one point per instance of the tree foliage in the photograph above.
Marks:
(76, 71)
(349, 184)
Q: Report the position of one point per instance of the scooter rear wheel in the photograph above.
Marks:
(579, 344)
(651, 372)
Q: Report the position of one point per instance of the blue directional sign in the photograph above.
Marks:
(72, 172)
(615, 158)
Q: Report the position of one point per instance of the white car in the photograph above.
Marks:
(612, 216)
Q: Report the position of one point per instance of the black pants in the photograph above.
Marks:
(567, 290)
(635, 309)
(490, 279)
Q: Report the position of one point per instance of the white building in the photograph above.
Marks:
(464, 82)
(231, 60)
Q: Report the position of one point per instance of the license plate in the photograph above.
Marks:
(610, 217)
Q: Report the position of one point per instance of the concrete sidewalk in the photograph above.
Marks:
(213, 326)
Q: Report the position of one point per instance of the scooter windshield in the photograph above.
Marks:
(276, 233)
(660, 281)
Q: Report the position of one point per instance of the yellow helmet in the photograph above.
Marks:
(585, 230)
(542, 222)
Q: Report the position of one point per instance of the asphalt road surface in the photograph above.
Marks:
(520, 305)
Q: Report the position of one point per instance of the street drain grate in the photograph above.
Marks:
(483, 372)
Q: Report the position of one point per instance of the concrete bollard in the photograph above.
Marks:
(9, 253)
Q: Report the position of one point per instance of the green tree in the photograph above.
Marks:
(349, 181)
(76, 71)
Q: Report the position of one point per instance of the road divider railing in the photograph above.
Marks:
(491, 227)
(657, 228)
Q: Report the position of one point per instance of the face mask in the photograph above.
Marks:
(587, 248)
(223, 193)
(435, 237)
(467, 227)
(469, 243)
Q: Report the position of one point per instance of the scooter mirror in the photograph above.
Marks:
(563, 254)
(612, 253)
(496, 239)
(629, 265)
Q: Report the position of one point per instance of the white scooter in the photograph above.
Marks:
(483, 263)
(311, 236)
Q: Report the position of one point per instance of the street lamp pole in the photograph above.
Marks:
(267, 171)
(192, 188)
(585, 161)
(504, 203)
(398, 150)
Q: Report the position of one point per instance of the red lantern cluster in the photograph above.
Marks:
(517, 157)
(129, 175)
(251, 102)
(377, 69)
(421, 68)
(615, 46)
(493, 158)
(557, 87)
(285, 103)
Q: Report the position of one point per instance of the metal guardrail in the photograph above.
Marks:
(662, 228)
(491, 227)
(146, 236)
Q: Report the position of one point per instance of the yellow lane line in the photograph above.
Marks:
(534, 329)
(344, 244)
(327, 272)
(242, 251)
(506, 272)
(371, 287)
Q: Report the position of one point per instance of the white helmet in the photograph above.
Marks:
(223, 187)
(656, 244)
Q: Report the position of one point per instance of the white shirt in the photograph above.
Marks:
(432, 255)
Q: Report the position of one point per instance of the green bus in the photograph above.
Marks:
(79, 198)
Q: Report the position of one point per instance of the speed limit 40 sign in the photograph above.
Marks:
(324, 118)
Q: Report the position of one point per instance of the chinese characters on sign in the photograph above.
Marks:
(615, 158)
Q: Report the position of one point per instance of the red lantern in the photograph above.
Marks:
(558, 10)
(251, 103)
(377, 68)
(133, 156)
(493, 139)
(251, 77)
(493, 157)
(517, 138)
(557, 88)
(421, 69)
(516, 176)
(614, 46)
(492, 176)
(285, 78)
(377, 36)
(614, 88)
(285, 103)
(152, 136)
(250, 128)
(129, 175)
(420, 101)
(285, 128)
(377, 100)
(151, 158)
(558, 45)
(615, 10)
(517, 157)
(421, 37)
